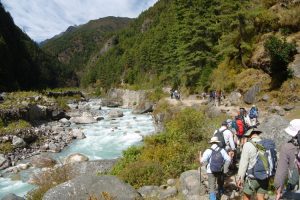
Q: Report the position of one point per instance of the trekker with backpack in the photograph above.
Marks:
(217, 162)
(257, 165)
(289, 163)
(253, 115)
(225, 137)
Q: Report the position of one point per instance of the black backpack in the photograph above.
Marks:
(216, 161)
(220, 136)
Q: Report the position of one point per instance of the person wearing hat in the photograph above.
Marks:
(287, 164)
(228, 138)
(248, 159)
(214, 177)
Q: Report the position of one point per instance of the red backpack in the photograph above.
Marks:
(240, 129)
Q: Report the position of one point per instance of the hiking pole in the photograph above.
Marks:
(200, 167)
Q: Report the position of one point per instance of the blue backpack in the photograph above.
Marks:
(253, 113)
(216, 161)
(266, 160)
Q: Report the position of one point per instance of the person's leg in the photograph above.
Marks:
(212, 186)
(246, 196)
(220, 181)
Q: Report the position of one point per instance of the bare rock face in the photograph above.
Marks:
(81, 187)
(250, 96)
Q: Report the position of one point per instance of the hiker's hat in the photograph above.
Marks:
(214, 140)
(224, 123)
(253, 106)
(293, 127)
(251, 131)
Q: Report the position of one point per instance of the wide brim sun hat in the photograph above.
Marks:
(214, 140)
(293, 127)
(250, 131)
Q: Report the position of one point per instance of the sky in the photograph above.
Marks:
(43, 19)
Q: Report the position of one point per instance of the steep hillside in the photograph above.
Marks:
(180, 43)
(75, 46)
(22, 64)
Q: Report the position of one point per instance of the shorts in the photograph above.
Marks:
(256, 186)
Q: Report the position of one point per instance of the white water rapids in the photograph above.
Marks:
(105, 139)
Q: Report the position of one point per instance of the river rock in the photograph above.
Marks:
(142, 108)
(273, 128)
(171, 182)
(23, 166)
(76, 157)
(41, 161)
(92, 167)
(78, 134)
(18, 142)
(115, 114)
(37, 112)
(2, 159)
(65, 121)
(12, 196)
(250, 95)
(86, 118)
(54, 147)
(190, 186)
(81, 187)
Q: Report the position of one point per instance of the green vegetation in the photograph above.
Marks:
(12, 126)
(49, 179)
(281, 53)
(6, 147)
(78, 44)
(169, 153)
(195, 45)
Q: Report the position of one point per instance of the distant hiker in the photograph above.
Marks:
(256, 165)
(172, 94)
(217, 162)
(225, 137)
(176, 95)
(289, 158)
(253, 115)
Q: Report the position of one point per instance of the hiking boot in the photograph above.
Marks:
(212, 196)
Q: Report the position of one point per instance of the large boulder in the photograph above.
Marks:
(18, 142)
(92, 167)
(115, 114)
(37, 112)
(273, 128)
(234, 98)
(42, 161)
(250, 95)
(78, 134)
(86, 118)
(11, 196)
(84, 186)
(142, 108)
(76, 157)
(190, 185)
(212, 111)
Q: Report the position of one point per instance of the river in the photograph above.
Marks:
(105, 139)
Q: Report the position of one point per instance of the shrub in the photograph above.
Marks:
(281, 53)
(6, 147)
(169, 153)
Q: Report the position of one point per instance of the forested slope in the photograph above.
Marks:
(22, 64)
(77, 44)
(183, 43)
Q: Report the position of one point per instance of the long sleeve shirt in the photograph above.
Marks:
(207, 155)
(228, 137)
(248, 157)
(286, 160)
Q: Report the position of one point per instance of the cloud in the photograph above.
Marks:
(42, 19)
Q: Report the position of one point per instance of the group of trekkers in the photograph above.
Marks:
(240, 139)
(216, 97)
